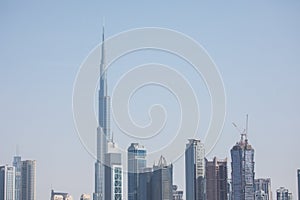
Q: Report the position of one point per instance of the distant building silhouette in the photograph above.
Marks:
(242, 170)
(136, 163)
(162, 181)
(7, 182)
(60, 196)
(156, 183)
(28, 180)
(216, 179)
(17, 163)
(195, 170)
(262, 187)
(283, 194)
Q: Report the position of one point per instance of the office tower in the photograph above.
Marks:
(195, 170)
(103, 130)
(144, 189)
(136, 163)
(85, 197)
(60, 196)
(113, 173)
(17, 163)
(298, 179)
(283, 194)
(28, 180)
(242, 166)
(263, 184)
(216, 179)
(162, 181)
(7, 182)
(177, 194)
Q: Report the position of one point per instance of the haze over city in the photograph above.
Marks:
(254, 45)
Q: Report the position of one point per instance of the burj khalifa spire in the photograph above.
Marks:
(103, 130)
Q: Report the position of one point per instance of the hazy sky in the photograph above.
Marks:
(255, 45)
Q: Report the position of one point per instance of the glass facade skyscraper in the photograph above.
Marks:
(28, 180)
(17, 163)
(7, 183)
(195, 170)
(242, 170)
(162, 181)
(157, 183)
(136, 163)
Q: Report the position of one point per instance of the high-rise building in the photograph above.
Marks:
(195, 170)
(113, 173)
(136, 163)
(242, 170)
(7, 182)
(28, 180)
(263, 184)
(283, 194)
(103, 130)
(17, 163)
(216, 179)
(60, 196)
(144, 189)
(157, 183)
(85, 197)
(298, 180)
(162, 181)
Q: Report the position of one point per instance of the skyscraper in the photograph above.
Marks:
(157, 183)
(242, 170)
(103, 130)
(216, 179)
(195, 170)
(263, 184)
(113, 173)
(162, 181)
(28, 180)
(7, 182)
(17, 163)
(144, 189)
(136, 163)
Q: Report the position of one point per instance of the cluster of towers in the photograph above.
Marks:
(205, 180)
(18, 181)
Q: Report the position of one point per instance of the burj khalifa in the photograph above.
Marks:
(103, 130)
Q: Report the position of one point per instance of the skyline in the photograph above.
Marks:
(39, 83)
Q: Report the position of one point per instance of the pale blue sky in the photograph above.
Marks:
(255, 45)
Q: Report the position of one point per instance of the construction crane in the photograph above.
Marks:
(244, 132)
